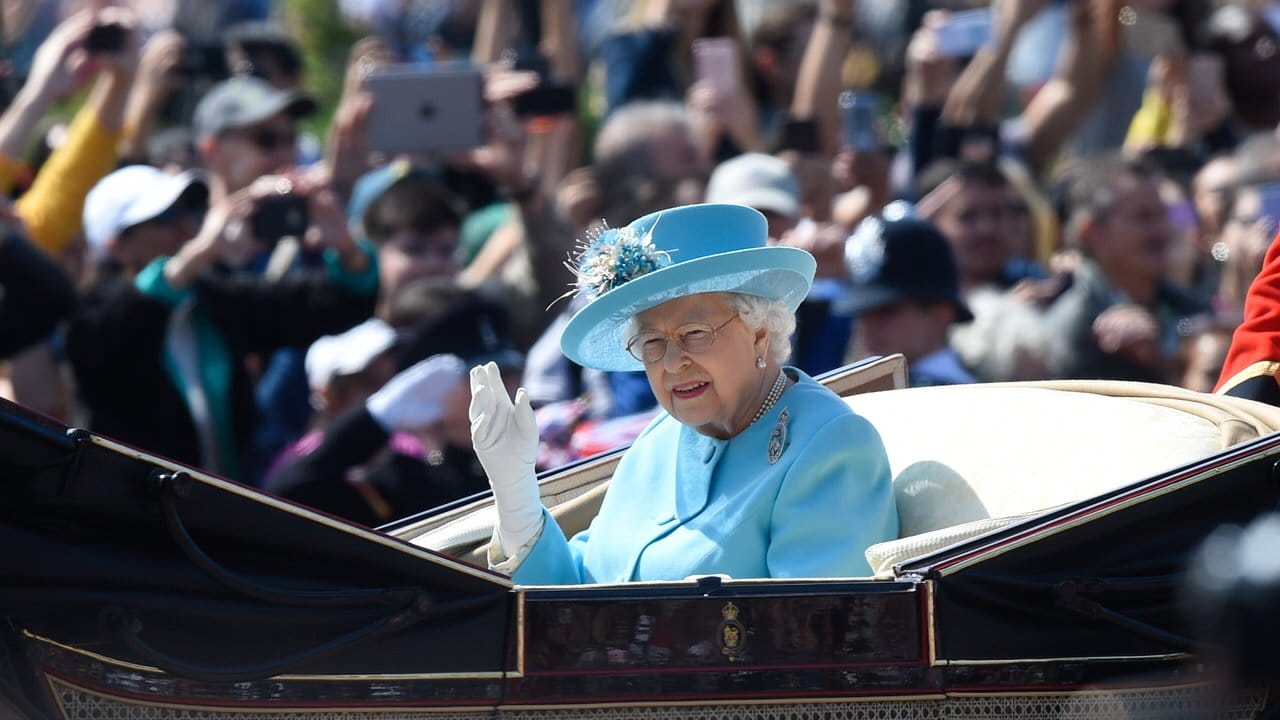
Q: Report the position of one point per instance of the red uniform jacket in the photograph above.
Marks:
(1254, 358)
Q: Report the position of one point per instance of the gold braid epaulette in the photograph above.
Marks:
(1262, 368)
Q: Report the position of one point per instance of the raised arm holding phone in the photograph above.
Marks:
(722, 107)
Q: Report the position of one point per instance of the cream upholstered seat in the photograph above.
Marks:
(970, 459)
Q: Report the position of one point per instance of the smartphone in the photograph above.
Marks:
(799, 135)
(1270, 195)
(548, 98)
(432, 109)
(964, 33)
(859, 119)
(279, 216)
(106, 38)
(717, 62)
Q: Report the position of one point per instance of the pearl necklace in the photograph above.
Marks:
(771, 399)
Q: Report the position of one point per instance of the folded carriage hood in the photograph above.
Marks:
(120, 553)
(1099, 578)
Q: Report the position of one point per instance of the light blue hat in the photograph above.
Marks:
(669, 254)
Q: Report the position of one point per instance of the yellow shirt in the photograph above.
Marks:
(52, 208)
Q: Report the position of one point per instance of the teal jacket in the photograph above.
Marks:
(682, 504)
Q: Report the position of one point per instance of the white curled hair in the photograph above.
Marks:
(756, 313)
(772, 315)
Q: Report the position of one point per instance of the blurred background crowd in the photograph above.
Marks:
(268, 238)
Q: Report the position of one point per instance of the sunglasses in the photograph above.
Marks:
(270, 139)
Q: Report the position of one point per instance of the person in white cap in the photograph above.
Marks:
(139, 213)
(378, 460)
(407, 447)
(159, 341)
(763, 182)
(345, 369)
(342, 370)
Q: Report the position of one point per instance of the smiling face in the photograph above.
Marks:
(715, 392)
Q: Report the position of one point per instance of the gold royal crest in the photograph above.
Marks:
(732, 634)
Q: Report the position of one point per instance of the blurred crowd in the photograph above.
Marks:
(1008, 190)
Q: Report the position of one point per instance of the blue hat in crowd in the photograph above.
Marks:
(370, 186)
(670, 254)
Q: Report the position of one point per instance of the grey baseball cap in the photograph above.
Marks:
(243, 101)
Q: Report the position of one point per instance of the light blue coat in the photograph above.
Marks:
(682, 504)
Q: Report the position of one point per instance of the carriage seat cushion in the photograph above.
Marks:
(963, 453)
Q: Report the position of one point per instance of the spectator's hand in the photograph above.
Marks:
(813, 174)
(367, 55)
(825, 241)
(346, 155)
(57, 68)
(502, 159)
(505, 438)
(716, 113)
(161, 56)
(1010, 15)
(929, 76)
(674, 13)
(862, 181)
(224, 235)
(850, 208)
(1131, 332)
(329, 229)
(502, 84)
(1038, 292)
(1200, 100)
(578, 197)
(1065, 262)
(414, 399)
(1042, 291)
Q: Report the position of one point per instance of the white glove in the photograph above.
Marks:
(414, 398)
(505, 438)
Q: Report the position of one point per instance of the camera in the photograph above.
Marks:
(204, 60)
(107, 38)
(279, 216)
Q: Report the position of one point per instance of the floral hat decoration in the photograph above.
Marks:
(668, 254)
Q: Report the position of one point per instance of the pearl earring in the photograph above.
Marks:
(760, 363)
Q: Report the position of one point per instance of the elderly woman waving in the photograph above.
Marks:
(754, 470)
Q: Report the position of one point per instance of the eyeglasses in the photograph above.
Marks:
(694, 338)
(269, 139)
